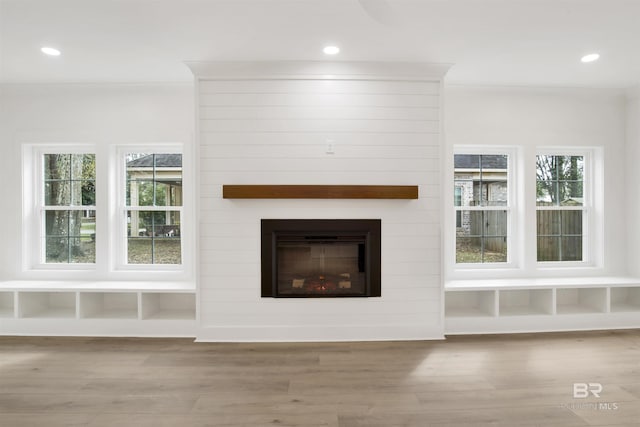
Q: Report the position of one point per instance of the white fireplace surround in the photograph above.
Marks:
(330, 123)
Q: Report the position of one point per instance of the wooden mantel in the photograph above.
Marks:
(320, 191)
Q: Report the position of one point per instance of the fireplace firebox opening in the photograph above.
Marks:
(320, 258)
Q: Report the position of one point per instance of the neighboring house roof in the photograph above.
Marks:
(472, 161)
(170, 160)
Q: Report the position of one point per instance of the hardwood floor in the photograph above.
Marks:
(507, 380)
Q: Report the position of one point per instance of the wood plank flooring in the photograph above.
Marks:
(506, 380)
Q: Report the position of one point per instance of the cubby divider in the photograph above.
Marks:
(7, 304)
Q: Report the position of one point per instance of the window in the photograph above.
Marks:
(68, 199)
(153, 202)
(481, 203)
(103, 211)
(561, 207)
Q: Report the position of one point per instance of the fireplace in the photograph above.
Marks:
(320, 258)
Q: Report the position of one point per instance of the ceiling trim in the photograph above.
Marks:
(325, 70)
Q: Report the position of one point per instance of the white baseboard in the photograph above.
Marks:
(318, 333)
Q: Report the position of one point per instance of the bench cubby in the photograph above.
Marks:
(162, 309)
(470, 303)
(541, 305)
(625, 299)
(168, 306)
(109, 305)
(49, 305)
(581, 300)
(523, 302)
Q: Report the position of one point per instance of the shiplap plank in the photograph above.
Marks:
(364, 139)
(320, 176)
(395, 87)
(227, 256)
(413, 268)
(409, 229)
(248, 319)
(319, 112)
(319, 99)
(251, 281)
(228, 230)
(411, 255)
(331, 164)
(251, 211)
(267, 307)
(320, 125)
(282, 151)
(392, 294)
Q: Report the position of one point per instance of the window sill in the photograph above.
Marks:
(97, 286)
(541, 283)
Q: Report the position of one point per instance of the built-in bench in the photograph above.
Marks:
(122, 308)
(541, 304)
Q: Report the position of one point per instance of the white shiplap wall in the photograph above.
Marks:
(271, 124)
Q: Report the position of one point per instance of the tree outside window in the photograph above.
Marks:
(69, 208)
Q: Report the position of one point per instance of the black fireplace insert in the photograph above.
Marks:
(320, 258)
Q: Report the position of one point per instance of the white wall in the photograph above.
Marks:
(385, 131)
(270, 124)
(527, 118)
(632, 177)
(98, 114)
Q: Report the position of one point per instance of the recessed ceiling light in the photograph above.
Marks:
(331, 50)
(50, 51)
(590, 57)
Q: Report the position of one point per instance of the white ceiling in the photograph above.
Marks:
(505, 42)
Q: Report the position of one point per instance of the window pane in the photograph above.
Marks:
(57, 193)
(140, 250)
(559, 235)
(559, 180)
(481, 179)
(154, 237)
(154, 179)
(70, 236)
(482, 237)
(571, 193)
(548, 249)
(571, 248)
(549, 223)
(572, 223)
(167, 250)
(69, 179)
(141, 193)
(57, 166)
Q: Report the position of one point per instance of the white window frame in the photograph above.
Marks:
(110, 211)
(120, 215)
(33, 230)
(510, 208)
(589, 257)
